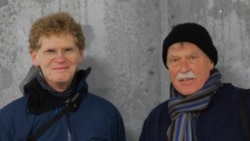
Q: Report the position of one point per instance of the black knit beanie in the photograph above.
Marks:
(193, 33)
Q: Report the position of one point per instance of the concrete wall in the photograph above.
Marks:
(124, 40)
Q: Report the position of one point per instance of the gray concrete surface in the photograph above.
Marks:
(124, 40)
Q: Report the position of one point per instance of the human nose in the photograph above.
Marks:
(184, 66)
(59, 56)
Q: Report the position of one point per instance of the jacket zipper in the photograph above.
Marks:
(68, 128)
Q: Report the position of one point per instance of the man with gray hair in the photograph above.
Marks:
(201, 107)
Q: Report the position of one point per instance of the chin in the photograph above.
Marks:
(61, 80)
(187, 92)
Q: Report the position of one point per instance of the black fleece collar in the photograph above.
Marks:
(41, 101)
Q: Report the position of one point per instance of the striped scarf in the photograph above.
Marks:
(184, 110)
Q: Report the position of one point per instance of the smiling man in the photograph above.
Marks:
(56, 105)
(201, 107)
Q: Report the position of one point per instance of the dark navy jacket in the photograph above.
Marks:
(219, 122)
(96, 119)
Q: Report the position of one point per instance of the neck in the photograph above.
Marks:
(60, 87)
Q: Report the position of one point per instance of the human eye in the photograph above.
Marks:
(50, 51)
(173, 61)
(192, 58)
(70, 50)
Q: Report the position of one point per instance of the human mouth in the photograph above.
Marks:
(186, 79)
(60, 68)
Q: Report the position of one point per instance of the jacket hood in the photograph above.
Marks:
(32, 73)
(41, 100)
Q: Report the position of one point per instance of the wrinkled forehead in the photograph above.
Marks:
(53, 36)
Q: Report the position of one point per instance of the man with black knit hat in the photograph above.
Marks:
(201, 107)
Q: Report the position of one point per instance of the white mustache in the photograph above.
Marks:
(185, 76)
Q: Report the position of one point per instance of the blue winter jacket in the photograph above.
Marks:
(95, 119)
(219, 122)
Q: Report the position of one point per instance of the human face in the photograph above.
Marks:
(191, 64)
(58, 58)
